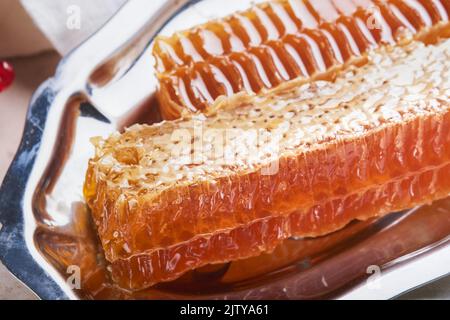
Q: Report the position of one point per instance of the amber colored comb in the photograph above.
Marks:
(303, 159)
(278, 41)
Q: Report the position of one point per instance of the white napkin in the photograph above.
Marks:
(18, 34)
(61, 24)
(66, 23)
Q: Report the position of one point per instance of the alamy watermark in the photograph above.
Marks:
(73, 21)
(226, 147)
(74, 277)
(374, 280)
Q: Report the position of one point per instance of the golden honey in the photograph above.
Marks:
(373, 141)
(278, 41)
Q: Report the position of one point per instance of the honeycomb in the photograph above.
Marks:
(278, 41)
(302, 159)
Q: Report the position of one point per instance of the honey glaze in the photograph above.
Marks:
(278, 41)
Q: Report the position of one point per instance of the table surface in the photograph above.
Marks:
(32, 71)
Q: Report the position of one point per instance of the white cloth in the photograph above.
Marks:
(18, 34)
(58, 24)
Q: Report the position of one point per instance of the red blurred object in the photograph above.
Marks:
(6, 75)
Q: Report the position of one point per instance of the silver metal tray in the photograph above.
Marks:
(107, 83)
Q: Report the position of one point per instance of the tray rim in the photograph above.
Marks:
(14, 253)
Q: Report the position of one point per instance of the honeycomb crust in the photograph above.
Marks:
(278, 41)
(375, 140)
